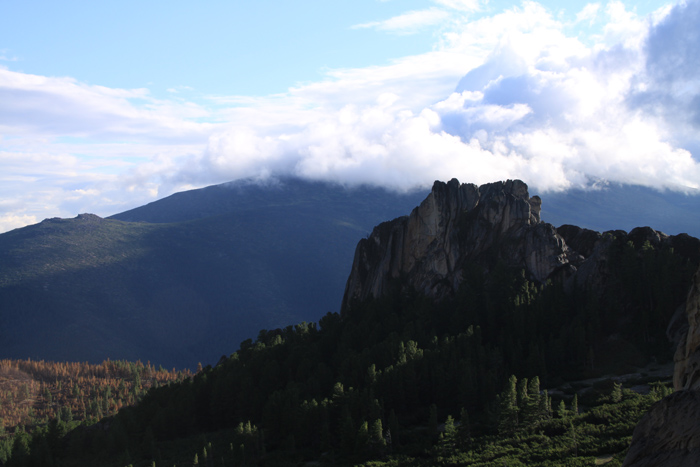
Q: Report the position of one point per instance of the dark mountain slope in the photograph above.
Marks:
(181, 292)
(337, 203)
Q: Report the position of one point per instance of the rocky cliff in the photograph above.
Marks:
(669, 435)
(454, 225)
(458, 224)
(687, 369)
(499, 223)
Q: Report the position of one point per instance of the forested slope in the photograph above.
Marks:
(311, 390)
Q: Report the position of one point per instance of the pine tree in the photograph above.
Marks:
(376, 435)
(561, 411)
(508, 417)
(449, 428)
(574, 405)
(531, 411)
(545, 406)
(362, 439)
(522, 393)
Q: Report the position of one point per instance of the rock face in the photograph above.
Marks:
(458, 224)
(686, 374)
(454, 225)
(669, 434)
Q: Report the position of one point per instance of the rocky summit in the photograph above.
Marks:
(496, 223)
(453, 225)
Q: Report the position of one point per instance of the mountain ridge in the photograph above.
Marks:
(462, 224)
(189, 288)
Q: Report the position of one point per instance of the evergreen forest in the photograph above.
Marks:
(486, 377)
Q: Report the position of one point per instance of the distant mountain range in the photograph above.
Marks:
(187, 278)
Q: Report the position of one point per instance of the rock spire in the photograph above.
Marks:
(458, 223)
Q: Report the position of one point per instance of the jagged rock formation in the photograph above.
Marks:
(497, 222)
(669, 434)
(456, 224)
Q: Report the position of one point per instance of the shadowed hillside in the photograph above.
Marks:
(230, 261)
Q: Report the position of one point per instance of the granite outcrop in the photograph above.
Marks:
(669, 434)
(458, 223)
(495, 223)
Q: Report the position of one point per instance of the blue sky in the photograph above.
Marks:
(215, 47)
(108, 105)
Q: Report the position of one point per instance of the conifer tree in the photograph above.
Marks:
(561, 411)
(522, 392)
(545, 406)
(616, 395)
(449, 428)
(508, 417)
(531, 412)
(362, 438)
(376, 435)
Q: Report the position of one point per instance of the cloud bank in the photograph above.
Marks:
(606, 96)
(540, 106)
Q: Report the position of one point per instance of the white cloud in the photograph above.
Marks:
(540, 106)
(15, 221)
(461, 5)
(510, 95)
(33, 104)
(588, 13)
(408, 23)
